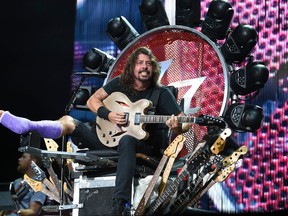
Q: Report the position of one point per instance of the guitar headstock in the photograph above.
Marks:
(39, 173)
(35, 185)
(174, 147)
(219, 143)
(46, 162)
(206, 120)
(224, 173)
(234, 157)
(51, 145)
(69, 149)
(229, 164)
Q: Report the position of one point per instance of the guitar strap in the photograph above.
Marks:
(154, 98)
(161, 131)
(155, 95)
(20, 191)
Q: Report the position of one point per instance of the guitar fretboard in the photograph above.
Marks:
(163, 119)
(164, 199)
(142, 205)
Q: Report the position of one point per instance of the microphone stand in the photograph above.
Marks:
(64, 139)
(73, 97)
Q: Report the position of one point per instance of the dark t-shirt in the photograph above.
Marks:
(165, 105)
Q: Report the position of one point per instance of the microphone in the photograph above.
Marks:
(99, 74)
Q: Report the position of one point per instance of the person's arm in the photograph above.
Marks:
(95, 100)
(169, 105)
(184, 127)
(33, 210)
(177, 127)
(95, 104)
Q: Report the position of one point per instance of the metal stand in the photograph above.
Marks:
(85, 157)
(64, 138)
(64, 141)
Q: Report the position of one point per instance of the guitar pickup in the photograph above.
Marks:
(137, 118)
(126, 118)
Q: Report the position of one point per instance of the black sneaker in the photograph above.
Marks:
(118, 206)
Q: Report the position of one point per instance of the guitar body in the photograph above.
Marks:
(110, 134)
(136, 119)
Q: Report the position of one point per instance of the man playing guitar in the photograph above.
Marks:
(138, 81)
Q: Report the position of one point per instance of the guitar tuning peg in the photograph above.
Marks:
(39, 173)
(206, 120)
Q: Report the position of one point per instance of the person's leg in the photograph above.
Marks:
(84, 136)
(19, 125)
(124, 176)
(127, 149)
(126, 168)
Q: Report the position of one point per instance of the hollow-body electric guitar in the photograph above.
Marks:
(136, 119)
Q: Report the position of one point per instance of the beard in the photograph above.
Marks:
(21, 169)
(144, 76)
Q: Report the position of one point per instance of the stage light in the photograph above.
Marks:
(81, 97)
(121, 32)
(239, 44)
(188, 13)
(244, 117)
(153, 14)
(217, 20)
(96, 60)
(249, 79)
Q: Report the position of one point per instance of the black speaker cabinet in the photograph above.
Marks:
(95, 194)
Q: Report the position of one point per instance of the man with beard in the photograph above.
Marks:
(139, 80)
(29, 202)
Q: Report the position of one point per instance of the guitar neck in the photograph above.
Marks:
(163, 119)
(163, 200)
(204, 120)
(142, 205)
(182, 200)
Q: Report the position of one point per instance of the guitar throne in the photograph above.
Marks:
(145, 164)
